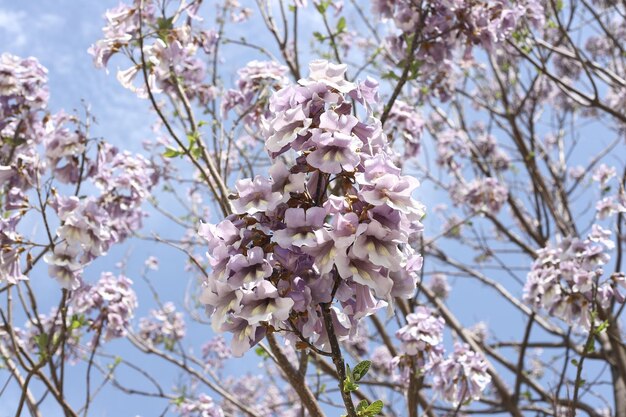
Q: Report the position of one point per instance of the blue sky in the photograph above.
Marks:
(58, 33)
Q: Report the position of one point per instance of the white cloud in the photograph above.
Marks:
(12, 28)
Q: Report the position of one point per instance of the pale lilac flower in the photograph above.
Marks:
(462, 377)
(438, 284)
(300, 227)
(422, 334)
(255, 196)
(333, 225)
(603, 174)
(203, 406)
(63, 265)
(152, 263)
(609, 206)
(164, 326)
(10, 264)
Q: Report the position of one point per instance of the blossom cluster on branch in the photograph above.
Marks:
(334, 221)
(567, 279)
(87, 225)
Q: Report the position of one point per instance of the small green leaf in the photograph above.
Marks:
(390, 76)
(602, 327)
(319, 36)
(362, 406)
(172, 153)
(349, 386)
(322, 6)
(341, 24)
(374, 408)
(77, 321)
(361, 370)
(261, 352)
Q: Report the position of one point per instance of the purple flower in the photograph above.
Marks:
(603, 174)
(394, 191)
(379, 245)
(262, 304)
(248, 270)
(255, 196)
(423, 333)
(438, 284)
(164, 326)
(462, 377)
(331, 75)
(335, 152)
(63, 265)
(336, 214)
(301, 227)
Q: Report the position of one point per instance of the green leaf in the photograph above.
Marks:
(42, 341)
(361, 370)
(341, 24)
(390, 76)
(164, 25)
(322, 6)
(362, 406)
(374, 408)
(349, 386)
(602, 327)
(319, 36)
(261, 352)
(172, 153)
(574, 362)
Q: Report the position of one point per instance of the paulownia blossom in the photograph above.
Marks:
(332, 225)
(458, 378)
(449, 30)
(86, 226)
(567, 279)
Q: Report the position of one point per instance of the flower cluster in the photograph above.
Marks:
(333, 222)
(407, 123)
(105, 308)
(125, 181)
(169, 51)
(257, 81)
(450, 28)
(33, 340)
(203, 406)
(89, 226)
(23, 99)
(462, 376)
(481, 194)
(566, 279)
(164, 326)
(215, 352)
(111, 303)
(423, 335)
(458, 378)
